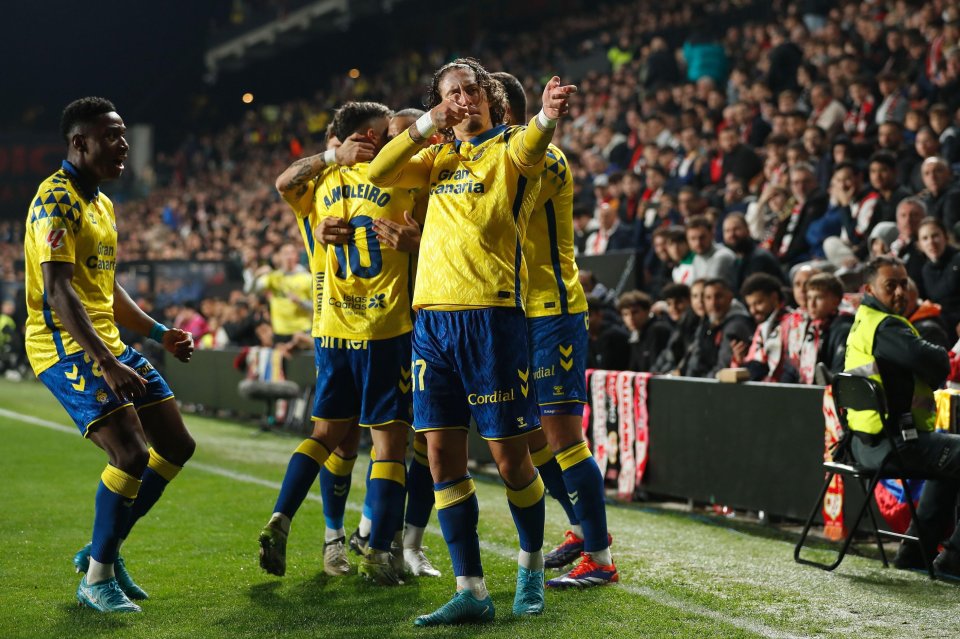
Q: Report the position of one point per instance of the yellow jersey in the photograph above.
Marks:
(549, 251)
(66, 224)
(368, 288)
(481, 193)
(308, 218)
(288, 292)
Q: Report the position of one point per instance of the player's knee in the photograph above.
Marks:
(187, 446)
(516, 470)
(131, 459)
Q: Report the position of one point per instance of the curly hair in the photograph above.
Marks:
(83, 111)
(492, 89)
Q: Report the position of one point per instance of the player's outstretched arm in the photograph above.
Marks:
(297, 177)
(63, 299)
(533, 141)
(177, 342)
(403, 162)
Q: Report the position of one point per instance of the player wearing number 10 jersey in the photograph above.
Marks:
(363, 348)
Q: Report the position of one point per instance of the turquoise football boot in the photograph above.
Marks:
(529, 597)
(105, 596)
(81, 561)
(463, 608)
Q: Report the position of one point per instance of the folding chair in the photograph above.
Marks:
(854, 392)
(266, 381)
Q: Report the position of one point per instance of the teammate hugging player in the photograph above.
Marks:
(470, 351)
(363, 351)
(556, 316)
(403, 237)
(114, 396)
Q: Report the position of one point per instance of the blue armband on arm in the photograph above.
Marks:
(156, 333)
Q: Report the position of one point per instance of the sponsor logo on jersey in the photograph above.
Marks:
(544, 372)
(455, 183)
(55, 238)
(496, 397)
(104, 260)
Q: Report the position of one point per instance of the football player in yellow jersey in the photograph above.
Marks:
(403, 236)
(114, 396)
(363, 352)
(290, 286)
(556, 316)
(297, 186)
(470, 355)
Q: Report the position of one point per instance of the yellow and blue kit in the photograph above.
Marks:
(556, 305)
(362, 352)
(287, 316)
(308, 218)
(67, 224)
(470, 340)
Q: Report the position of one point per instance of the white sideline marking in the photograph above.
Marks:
(650, 594)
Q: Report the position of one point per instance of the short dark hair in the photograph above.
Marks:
(494, 92)
(699, 221)
(83, 111)
(634, 298)
(826, 282)
(516, 96)
(933, 221)
(354, 116)
(761, 283)
(718, 281)
(676, 234)
(675, 291)
(873, 267)
(885, 158)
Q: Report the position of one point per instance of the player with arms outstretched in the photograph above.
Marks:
(470, 351)
(114, 396)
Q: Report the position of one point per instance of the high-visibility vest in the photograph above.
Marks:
(860, 361)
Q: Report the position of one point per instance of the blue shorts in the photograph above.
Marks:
(475, 363)
(558, 346)
(367, 380)
(76, 381)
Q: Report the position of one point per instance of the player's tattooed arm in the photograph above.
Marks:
(297, 177)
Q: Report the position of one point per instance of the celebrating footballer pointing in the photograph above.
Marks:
(470, 294)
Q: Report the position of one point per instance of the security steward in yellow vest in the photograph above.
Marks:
(884, 346)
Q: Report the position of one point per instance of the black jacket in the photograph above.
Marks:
(833, 346)
(610, 350)
(900, 356)
(755, 260)
(914, 259)
(945, 207)
(647, 344)
(679, 344)
(798, 250)
(711, 348)
(942, 283)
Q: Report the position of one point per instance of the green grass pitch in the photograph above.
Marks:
(682, 575)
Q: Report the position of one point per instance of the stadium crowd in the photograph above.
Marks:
(751, 155)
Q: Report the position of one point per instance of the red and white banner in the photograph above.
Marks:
(833, 526)
(616, 423)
